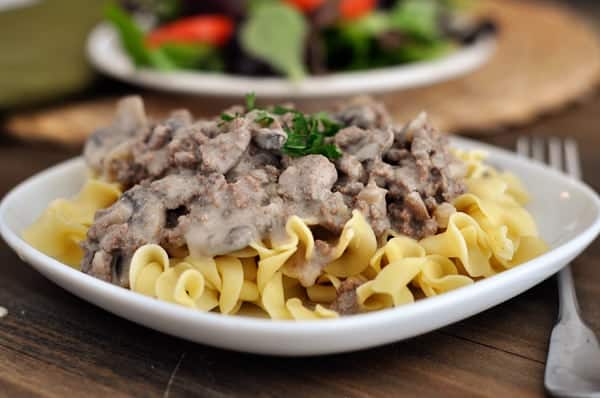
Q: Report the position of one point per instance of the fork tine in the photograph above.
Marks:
(523, 146)
(538, 151)
(573, 165)
(555, 153)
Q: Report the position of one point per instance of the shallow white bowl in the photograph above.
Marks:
(567, 213)
(105, 53)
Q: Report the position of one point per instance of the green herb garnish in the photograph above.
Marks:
(307, 135)
(330, 127)
(281, 110)
(264, 119)
(250, 101)
(226, 117)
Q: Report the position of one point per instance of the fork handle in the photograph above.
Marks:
(568, 309)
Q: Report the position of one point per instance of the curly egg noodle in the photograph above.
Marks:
(65, 222)
(489, 232)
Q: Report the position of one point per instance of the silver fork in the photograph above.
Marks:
(573, 363)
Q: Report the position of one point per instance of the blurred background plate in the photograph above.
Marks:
(106, 54)
(532, 73)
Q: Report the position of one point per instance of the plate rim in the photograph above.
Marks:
(267, 327)
(416, 74)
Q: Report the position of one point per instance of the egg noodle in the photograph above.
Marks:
(489, 232)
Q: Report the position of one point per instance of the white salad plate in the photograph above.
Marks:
(106, 54)
(567, 213)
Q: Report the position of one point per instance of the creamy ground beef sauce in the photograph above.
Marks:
(214, 186)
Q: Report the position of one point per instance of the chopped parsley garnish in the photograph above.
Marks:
(250, 101)
(307, 135)
(282, 110)
(330, 127)
(226, 117)
(264, 119)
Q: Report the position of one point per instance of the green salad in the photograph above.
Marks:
(292, 38)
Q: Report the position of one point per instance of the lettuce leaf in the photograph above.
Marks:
(275, 33)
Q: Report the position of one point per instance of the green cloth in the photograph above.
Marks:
(42, 50)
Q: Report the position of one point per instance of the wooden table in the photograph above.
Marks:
(54, 344)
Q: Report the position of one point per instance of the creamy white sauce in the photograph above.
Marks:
(211, 240)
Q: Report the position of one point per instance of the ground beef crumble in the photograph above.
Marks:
(211, 187)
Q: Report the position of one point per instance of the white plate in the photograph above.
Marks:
(567, 213)
(105, 53)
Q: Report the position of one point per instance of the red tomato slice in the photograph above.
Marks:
(352, 9)
(215, 30)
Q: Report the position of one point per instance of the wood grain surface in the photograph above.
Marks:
(53, 344)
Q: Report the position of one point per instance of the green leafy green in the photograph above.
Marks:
(275, 33)
(357, 37)
(419, 51)
(408, 32)
(370, 25)
(167, 57)
(132, 38)
(193, 56)
(418, 18)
